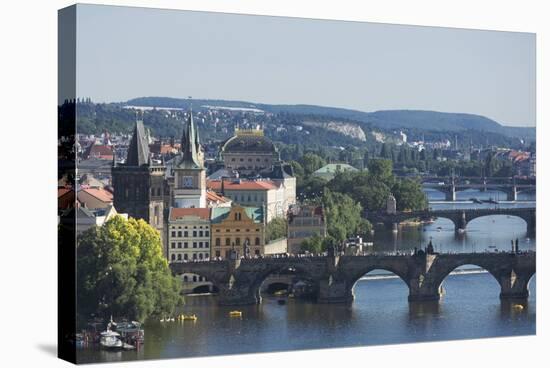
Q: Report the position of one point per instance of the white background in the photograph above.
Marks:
(28, 254)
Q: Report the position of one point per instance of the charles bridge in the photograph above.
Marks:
(459, 217)
(333, 277)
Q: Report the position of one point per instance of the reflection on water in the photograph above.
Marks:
(380, 313)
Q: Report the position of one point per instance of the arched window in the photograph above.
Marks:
(185, 278)
(173, 257)
(185, 257)
(179, 257)
(257, 241)
(194, 255)
(194, 278)
(200, 255)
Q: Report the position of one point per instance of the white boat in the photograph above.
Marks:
(111, 340)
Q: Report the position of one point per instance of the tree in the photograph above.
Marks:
(382, 169)
(316, 243)
(409, 195)
(276, 229)
(312, 162)
(121, 272)
(343, 215)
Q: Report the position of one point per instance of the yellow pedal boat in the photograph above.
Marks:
(235, 314)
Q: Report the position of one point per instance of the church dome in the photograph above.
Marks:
(248, 143)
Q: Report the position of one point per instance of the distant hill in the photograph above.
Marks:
(388, 119)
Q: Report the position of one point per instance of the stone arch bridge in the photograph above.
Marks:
(459, 217)
(334, 277)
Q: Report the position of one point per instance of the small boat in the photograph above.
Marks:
(517, 307)
(235, 314)
(111, 340)
(126, 346)
(188, 317)
(475, 200)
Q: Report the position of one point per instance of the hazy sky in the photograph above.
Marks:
(133, 52)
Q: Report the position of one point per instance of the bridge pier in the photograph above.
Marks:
(450, 194)
(514, 286)
(512, 194)
(334, 291)
(237, 296)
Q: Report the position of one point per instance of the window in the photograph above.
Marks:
(185, 234)
(173, 234)
(201, 233)
(206, 255)
(179, 257)
(173, 245)
(194, 233)
(194, 278)
(257, 252)
(173, 257)
(207, 233)
(185, 245)
(217, 253)
(194, 255)
(179, 245)
(200, 255)
(257, 241)
(238, 241)
(206, 244)
(185, 278)
(200, 244)
(218, 242)
(238, 230)
(233, 159)
(185, 257)
(194, 244)
(179, 234)
(227, 242)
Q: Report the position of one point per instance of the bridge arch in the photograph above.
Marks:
(469, 267)
(295, 269)
(200, 272)
(528, 219)
(369, 271)
(476, 217)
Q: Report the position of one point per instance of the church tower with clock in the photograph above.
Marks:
(189, 172)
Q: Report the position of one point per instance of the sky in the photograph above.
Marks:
(125, 52)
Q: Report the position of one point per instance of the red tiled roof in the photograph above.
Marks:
(243, 185)
(101, 151)
(214, 197)
(203, 213)
(101, 194)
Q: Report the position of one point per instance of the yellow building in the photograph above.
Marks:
(237, 228)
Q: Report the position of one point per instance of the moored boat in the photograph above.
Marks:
(111, 340)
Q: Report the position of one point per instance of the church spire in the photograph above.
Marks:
(138, 151)
(190, 145)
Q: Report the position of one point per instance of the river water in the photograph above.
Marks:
(380, 313)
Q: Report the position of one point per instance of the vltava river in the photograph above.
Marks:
(380, 313)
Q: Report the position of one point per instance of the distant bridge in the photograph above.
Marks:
(459, 217)
(450, 185)
(333, 277)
